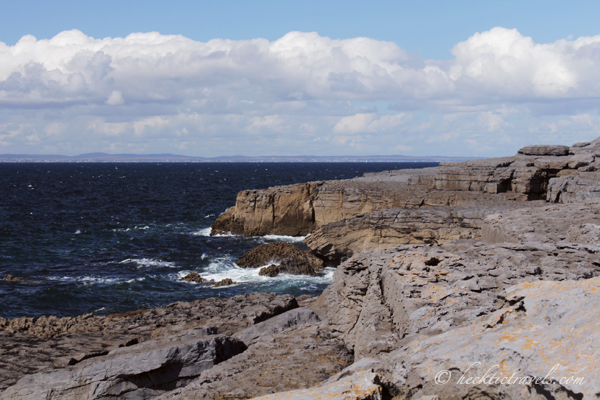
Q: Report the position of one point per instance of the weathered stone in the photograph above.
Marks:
(289, 208)
(581, 144)
(136, 372)
(544, 337)
(298, 357)
(574, 188)
(581, 160)
(192, 277)
(361, 386)
(288, 258)
(338, 240)
(295, 317)
(30, 345)
(548, 224)
(224, 282)
(545, 150)
(381, 297)
(272, 271)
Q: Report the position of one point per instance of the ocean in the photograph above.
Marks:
(108, 238)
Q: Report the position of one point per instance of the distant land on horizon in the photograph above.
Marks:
(105, 157)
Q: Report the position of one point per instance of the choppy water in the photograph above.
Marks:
(108, 238)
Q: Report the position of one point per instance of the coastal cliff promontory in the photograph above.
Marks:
(472, 280)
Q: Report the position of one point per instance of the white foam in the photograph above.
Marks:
(77, 232)
(224, 267)
(203, 232)
(149, 262)
(284, 238)
(140, 228)
(84, 279)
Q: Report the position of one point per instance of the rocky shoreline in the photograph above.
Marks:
(471, 280)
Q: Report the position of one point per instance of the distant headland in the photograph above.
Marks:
(105, 157)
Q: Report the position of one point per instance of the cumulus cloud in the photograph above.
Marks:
(224, 96)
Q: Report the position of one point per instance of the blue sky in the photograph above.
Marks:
(460, 78)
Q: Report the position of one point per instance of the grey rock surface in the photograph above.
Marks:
(140, 371)
(298, 316)
(30, 345)
(544, 338)
(299, 357)
(338, 240)
(380, 298)
(545, 150)
(574, 188)
(552, 223)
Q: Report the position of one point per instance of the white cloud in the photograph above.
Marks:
(369, 123)
(256, 96)
(115, 98)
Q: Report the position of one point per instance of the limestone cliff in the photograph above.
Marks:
(553, 173)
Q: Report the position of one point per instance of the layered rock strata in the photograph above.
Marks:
(553, 173)
(338, 240)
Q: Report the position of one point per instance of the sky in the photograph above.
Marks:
(198, 78)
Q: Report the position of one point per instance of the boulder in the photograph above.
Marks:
(224, 282)
(192, 277)
(544, 150)
(272, 271)
(288, 258)
(140, 371)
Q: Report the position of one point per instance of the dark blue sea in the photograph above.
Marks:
(107, 238)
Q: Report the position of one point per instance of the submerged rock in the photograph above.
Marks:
(272, 271)
(11, 278)
(224, 282)
(192, 277)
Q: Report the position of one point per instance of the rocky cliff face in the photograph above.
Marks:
(553, 173)
(338, 240)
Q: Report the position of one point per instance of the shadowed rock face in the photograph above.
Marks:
(140, 371)
(31, 345)
(287, 257)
